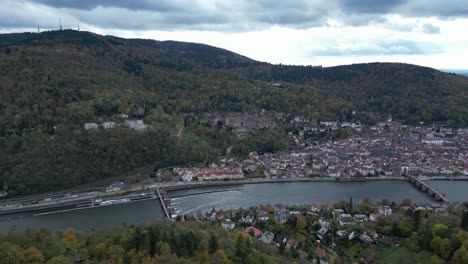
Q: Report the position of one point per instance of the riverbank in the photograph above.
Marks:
(15, 207)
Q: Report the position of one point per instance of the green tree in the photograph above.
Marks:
(219, 257)
(406, 228)
(11, 254)
(436, 260)
(441, 247)
(115, 254)
(464, 221)
(33, 255)
(213, 244)
(440, 230)
(69, 240)
(301, 222)
(59, 260)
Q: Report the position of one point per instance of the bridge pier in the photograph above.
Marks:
(426, 188)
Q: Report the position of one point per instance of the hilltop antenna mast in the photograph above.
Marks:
(38, 30)
(78, 25)
(60, 23)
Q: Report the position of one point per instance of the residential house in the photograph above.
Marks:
(228, 224)
(320, 252)
(345, 219)
(291, 243)
(267, 237)
(114, 187)
(281, 217)
(322, 232)
(337, 212)
(360, 218)
(373, 217)
(384, 210)
(135, 125)
(254, 231)
(247, 217)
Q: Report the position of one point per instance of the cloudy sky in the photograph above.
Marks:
(311, 32)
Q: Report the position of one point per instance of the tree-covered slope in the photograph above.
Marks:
(53, 82)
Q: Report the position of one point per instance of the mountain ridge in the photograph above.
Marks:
(53, 83)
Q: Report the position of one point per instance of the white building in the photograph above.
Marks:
(385, 210)
(212, 173)
(228, 224)
(108, 125)
(89, 126)
(135, 124)
(433, 141)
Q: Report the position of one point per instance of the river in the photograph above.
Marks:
(234, 196)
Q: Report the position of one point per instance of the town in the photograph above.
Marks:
(385, 149)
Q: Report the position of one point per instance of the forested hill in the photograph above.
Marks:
(53, 82)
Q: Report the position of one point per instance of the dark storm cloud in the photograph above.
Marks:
(220, 15)
(157, 5)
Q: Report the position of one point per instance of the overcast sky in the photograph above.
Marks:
(317, 32)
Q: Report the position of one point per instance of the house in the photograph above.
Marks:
(267, 237)
(108, 125)
(228, 224)
(338, 211)
(281, 217)
(360, 218)
(135, 125)
(368, 236)
(322, 232)
(294, 213)
(384, 210)
(291, 243)
(254, 231)
(324, 222)
(320, 252)
(123, 116)
(345, 219)
(89, 126)
(316, 208)
(263, 216)
(342, 233)
(220, 214)
(3, 194)
(247, 217)
(373, 217)
(114, 187)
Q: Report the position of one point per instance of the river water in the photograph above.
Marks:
(235, 196)
(294, 193)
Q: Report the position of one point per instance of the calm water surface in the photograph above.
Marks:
(455, 191)
(85, 219)
(293, 193)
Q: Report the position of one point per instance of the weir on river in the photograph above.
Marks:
(163, 203)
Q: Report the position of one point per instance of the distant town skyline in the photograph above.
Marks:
(430, 33)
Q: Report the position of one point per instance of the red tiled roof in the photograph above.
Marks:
(320, 252)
